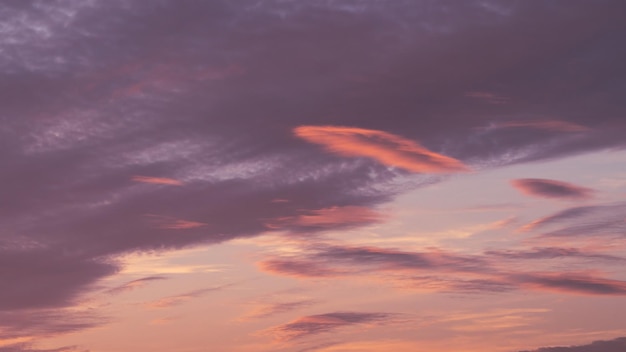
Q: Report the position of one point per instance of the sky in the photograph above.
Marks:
(312, 175)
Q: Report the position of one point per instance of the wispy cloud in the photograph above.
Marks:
(573, 283)
(30, 348)
(383, 147)
(134, 284)
(550, 253)
(332, 218)
(551, 189)
(598, 220)
(171, 301)
(616, 345)
(550, 125)
(322, 323)
(270, 309)
(158, 180)
(434, 270)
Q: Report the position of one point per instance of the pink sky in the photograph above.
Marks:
(302, 176)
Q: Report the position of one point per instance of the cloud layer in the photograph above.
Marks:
(616, 345)
(137, 126)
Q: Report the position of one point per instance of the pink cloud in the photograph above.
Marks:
(330, 218)
(386, 148)
(316, 324)
(157, 180)
(545, 188)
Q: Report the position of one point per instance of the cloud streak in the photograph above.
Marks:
(322, 323)
(383, 147)
(545, 188)
(158, 180)
(615, 345)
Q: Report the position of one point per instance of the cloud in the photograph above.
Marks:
(433, 270)
(124, 102)
(383, 147)
(616, 345)
(134, 284)
(544, 188)
(550, 125)
(63, 277)
(605, 220)
(171, 223)
(332, 218)
(30, 348)
(322, 323)
(298, 268)
(158, 180)
(31, 324)
(175, 300)
(573, 283)
(550, 253)
(268, 310)
(488, 97)
(327, 260)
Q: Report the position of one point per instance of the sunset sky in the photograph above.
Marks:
(312, 175)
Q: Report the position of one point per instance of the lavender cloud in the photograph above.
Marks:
(615, 345)
(551, 189)
(322, 323)
(605, 220)
(131, 285)
(28, 348)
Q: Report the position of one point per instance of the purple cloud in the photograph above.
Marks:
(29, 348)
(186, 111)
(322, 323)
(544, 188)
(598, 220)
(134, 284)
(616, 345)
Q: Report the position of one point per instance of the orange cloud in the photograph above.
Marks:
(171, 223)
(157, 180)
(182, 225)
(383, 147)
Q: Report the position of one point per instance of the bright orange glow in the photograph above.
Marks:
(157, 180)
(383, 147)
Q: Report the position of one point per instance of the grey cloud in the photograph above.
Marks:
(131, 285)
(574, 283)
(551, 189)
(615, 345)
(439, 271)
(597, 220)
(47, 322)
(551, 253)
(29, 348)
(316, 324)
